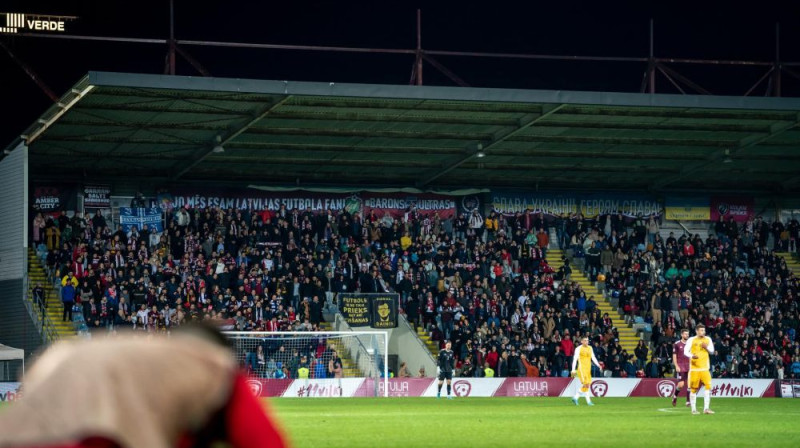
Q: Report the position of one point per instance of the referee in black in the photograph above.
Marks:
(446, 363)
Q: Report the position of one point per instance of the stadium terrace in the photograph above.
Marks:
(347, 256)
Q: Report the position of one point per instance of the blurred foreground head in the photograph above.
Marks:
(133, 391)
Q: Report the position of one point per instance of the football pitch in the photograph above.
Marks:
(531, 422)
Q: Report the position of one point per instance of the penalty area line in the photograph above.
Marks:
(679, 410)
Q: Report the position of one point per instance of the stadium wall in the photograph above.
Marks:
(508, 387)
(17, 329)
(404, 343)
(14, 215)
(16, 326)
(492, 387)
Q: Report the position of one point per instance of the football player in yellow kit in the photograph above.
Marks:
(582, 369)
(699, 348)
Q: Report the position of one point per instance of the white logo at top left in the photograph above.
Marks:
(17, 22)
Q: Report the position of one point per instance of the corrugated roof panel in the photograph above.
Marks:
(600, 133)
(376, 126)
(389, 114)
(393, 134)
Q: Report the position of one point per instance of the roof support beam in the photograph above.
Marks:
(367, 133)
(671, 73)
(176, 110)
(473, 149)
(598, 140)
(753, 140)
(196, 125)
(233, 132)
(446, 71)
(31, 74)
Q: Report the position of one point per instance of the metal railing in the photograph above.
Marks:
(685, 229)
(42, 321)
(44, 325)
(370, 364)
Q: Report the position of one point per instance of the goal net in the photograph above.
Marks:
(314, 364)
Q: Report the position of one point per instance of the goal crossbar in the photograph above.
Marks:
(363, 350)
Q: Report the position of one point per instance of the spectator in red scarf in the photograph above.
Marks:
(567, 346)
(688, 249)
(492, 357)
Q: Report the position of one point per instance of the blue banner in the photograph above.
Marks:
(129, 217)
(589, 204)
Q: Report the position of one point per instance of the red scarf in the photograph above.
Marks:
(77, 269)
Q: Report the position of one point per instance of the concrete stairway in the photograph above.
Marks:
(628, 338)
(792, 262)
(55, 309)
(432, 346)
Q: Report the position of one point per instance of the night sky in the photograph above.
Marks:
(682, 29)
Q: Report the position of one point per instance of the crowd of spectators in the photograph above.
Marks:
(732, 282)
(483, 283)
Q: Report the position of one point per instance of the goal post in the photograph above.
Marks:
(307, 358)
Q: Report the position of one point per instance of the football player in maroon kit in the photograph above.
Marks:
(681, 363)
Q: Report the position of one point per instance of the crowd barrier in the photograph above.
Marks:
(790, 388)
(9, 392)
(495, 387)
(513, 387)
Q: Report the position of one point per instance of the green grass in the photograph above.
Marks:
(534, 422)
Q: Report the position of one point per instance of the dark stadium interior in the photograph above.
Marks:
(345, 194)
(163, 128)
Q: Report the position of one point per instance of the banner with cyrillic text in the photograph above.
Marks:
(589, 204)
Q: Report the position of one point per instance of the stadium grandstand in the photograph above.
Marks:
(248, 224)
(511, 222)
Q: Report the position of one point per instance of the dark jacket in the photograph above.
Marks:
(68, 293)
(502, 368)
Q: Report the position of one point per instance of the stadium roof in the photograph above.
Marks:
(113, 126)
